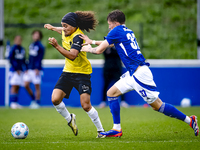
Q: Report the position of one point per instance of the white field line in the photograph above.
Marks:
(83, 142)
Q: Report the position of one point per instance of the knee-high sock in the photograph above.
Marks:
(32, 97)
(114, 109)
(93, 114)
(14, 98)
(171, 111)
(63, 111)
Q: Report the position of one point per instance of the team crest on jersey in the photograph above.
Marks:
(19, 55)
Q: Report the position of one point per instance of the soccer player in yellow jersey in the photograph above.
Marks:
(77, 69)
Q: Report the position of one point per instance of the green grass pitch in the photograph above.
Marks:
(142, 128)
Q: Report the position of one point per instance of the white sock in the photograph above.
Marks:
(117, 126)
(187, 120)
(93, 114)
(63, 111)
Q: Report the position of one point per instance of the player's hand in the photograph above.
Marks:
(86, 38)
(86, 48)
(53, 42)
(48, 26)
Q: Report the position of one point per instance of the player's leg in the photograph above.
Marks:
(168, 110)
(27, 81)
(83, 86)
(91, 111)
(33, 104)
(171, 111)
(112, 95)
(57, 97)
(120, 87)
(15, 82)
(116, 76)
(60, 91)
(36, 78)
(29, 90)
(14, 96)
(146, 88)
(37, 93)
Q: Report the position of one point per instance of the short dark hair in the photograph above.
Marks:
(117, 16)
(40, 33)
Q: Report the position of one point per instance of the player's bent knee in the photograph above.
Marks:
(86, 107)
(156, 104)
(85, 101)
(57, 96)
(55, 100)
(110, 93)
(114, 92)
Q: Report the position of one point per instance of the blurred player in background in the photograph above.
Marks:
(138, 77)
(34, 72)
(112, 64)
(7, 49)
(77, 69)
(18, 66)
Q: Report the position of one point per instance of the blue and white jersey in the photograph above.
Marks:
(17, 58)
(36, 53)
(127, 47)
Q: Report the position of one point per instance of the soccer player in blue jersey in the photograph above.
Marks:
(16, 57)
(138, 76)
(34, 72)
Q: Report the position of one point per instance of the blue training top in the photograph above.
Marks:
(127, 47)
(16, 57)
(36, 53)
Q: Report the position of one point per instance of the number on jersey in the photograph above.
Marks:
(134, 44)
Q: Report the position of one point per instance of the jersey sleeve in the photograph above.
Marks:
(38, 61)
(12, 60)
(77, 43)
(112, 36)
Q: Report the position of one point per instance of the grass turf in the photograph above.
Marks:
(142, 128)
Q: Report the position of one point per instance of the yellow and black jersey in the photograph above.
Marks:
(81, 64)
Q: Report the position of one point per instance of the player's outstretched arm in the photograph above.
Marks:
(50, 27)
(96, 50)
(88, 40)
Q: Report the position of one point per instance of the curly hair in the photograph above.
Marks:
(86, 20)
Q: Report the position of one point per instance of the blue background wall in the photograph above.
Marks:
(174, 84)
(2, 86)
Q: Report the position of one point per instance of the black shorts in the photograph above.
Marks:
(67, 81)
